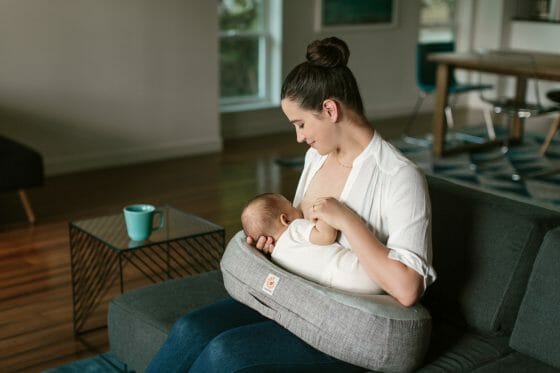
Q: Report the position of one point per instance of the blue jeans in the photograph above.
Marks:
(228, 336)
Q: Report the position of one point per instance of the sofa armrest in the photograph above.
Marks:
(139, 320)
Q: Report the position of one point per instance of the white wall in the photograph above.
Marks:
(541, 37)
(494, 27)
(535, 36)
(92, 83)
(383, 61)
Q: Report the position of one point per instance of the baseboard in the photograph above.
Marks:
(127, 156)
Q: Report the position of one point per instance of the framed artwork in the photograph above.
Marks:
(355, 14)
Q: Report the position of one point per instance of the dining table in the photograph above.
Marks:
(544, 66)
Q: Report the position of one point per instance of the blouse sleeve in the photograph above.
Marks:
(408, 222)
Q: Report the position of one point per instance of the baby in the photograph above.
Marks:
(303, 247)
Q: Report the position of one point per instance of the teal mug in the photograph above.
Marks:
(139, 221)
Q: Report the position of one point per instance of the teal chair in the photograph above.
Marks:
(426, 82)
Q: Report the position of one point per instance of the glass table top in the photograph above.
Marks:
(111, 229)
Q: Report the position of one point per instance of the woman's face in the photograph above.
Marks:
(312, 128)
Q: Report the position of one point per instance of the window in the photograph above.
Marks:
(250, 50)
(437, 20)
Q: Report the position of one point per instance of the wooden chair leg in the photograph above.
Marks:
(27, 206)
(551, 132)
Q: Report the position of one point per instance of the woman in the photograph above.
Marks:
(354, 181)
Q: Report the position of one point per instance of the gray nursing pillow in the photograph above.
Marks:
(371, 331)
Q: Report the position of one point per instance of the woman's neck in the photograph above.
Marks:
(354, 138)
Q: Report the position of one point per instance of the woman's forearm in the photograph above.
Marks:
(397, 279)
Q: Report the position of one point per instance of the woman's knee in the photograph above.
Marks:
(186, 324)
(251, 348)
(210, 321)
(195, 325)
(220, 354)
(264, 346)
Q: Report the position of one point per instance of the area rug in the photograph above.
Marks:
(103, 363)
(518, 170)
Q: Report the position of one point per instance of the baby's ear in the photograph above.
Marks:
(284, 219)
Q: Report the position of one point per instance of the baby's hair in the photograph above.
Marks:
(324, 76)
(261, 214)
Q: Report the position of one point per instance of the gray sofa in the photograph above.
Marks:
(495, 305)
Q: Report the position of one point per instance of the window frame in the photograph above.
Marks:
(269, 39)
(439, 31)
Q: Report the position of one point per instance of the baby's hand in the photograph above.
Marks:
(331, 211)
(263, 243)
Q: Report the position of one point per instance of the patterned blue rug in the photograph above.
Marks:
(518, 171)
(104, 363)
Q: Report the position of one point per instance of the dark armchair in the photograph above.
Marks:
(20, 168)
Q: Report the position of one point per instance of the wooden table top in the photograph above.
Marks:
(546, 66)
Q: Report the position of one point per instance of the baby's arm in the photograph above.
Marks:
(322, 234)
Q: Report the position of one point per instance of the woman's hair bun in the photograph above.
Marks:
(329, 52)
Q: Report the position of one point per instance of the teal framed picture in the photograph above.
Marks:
(351, 14)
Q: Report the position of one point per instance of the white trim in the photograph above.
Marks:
(119, 157)
(274, 78)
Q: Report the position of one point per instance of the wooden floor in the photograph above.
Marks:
(35, 290)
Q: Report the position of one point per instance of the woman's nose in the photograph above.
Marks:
(299, 136)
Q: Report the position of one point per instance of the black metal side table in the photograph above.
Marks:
(101, 255)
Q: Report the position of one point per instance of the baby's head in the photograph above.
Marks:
(268, 214)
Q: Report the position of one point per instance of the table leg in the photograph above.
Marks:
(516, 130)
(94, 271)
(442, 91)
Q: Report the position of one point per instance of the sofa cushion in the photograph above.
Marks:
(516, 362)
(484, 245)
(371, 331)
(139, 320)
(537, 328)
(452, 349)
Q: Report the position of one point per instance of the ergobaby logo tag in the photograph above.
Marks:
(270, 283)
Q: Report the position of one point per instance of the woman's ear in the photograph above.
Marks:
(331, 109)
(284, 219)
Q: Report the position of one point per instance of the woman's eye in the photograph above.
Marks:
(300, 126)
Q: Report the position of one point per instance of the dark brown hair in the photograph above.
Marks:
(324, 76)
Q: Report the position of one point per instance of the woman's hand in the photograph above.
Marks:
(263, 243)
(331, 211)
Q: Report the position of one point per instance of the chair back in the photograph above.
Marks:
(425, 69)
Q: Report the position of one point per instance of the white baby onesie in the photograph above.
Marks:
(329, 265)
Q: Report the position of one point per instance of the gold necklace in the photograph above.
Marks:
(340, 163)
